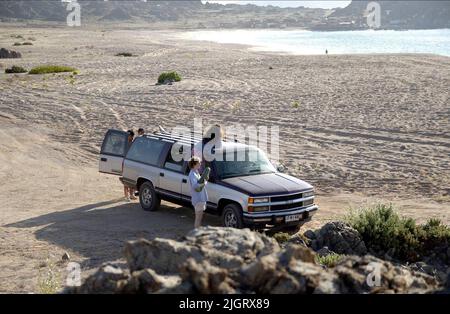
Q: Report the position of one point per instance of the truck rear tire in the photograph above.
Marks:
(232, 216)
(148, 198)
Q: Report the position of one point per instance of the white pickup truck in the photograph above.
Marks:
(244, 193)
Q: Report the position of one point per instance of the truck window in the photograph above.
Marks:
(172, 164)
(146, 150)
(115, 144)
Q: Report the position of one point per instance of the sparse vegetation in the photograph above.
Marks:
(27, 43)
(384, 231)
(169, 77)
(15, 69)
(124, 54)
(329, 260)
(295, 104)
(72, 78)
(49, 281)
(207, 105)
(45, 69)
(236, 106)
(281, 237)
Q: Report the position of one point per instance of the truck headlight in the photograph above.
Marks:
(308, 194)
(252, 209)
(256, 200)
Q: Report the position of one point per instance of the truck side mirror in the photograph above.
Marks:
(281, 168)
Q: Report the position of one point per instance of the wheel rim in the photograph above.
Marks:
(147, 197)
(230, 220)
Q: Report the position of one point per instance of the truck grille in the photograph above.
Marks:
(292, 205)
(285, 197)
(286, 206)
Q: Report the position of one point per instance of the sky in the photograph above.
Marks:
(290, 3)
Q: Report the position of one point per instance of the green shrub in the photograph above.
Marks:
(384, 231)
(329, 260)
(434, 234)
(15, 69)
(124, 54)
(169, 76)
(17, 44)
(27, 43)
(281, 237)
(45, 69)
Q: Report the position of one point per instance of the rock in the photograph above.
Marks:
(108, 279)
(161, 255)
(447, 285)
(324, 251)
(222, 247)
(340, 238)
(299, 239)
(310, 234)
(144, 281)
(224, 260)
(370, 274)
(9, 54)
(296, 252)
(207, 279)
(65, 257)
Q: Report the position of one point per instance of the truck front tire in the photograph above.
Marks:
(148, 198)
(232, 216)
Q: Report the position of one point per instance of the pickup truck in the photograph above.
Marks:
(245, 193)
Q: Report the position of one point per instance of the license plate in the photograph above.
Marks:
(291, 218)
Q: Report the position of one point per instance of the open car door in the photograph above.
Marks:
(113, 151)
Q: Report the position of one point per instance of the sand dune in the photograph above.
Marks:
(366, 128)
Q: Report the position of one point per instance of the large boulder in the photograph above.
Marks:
(9, 54)
(338, 237)
(222, 247)
(223, 260)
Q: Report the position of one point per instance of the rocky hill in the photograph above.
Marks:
(195, 14)
(100, 10)
(394, 15)
(180, 14)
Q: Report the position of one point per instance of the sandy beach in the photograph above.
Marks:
(361, 128)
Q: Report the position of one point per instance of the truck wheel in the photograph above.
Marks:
(148, 198)
(232, 216)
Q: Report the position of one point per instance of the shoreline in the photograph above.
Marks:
(267, 41)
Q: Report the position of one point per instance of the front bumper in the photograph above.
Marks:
(279, 217)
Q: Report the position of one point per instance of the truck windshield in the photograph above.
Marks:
(243, 163)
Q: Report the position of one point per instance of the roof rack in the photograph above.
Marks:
(190, 138)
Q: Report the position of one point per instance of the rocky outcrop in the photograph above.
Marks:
(223, 260)
(9, 54)
(337, 237)
(222, 247)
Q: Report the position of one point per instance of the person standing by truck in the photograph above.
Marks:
(129, 192)
(199, 196)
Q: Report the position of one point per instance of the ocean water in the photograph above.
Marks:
(303, 42)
